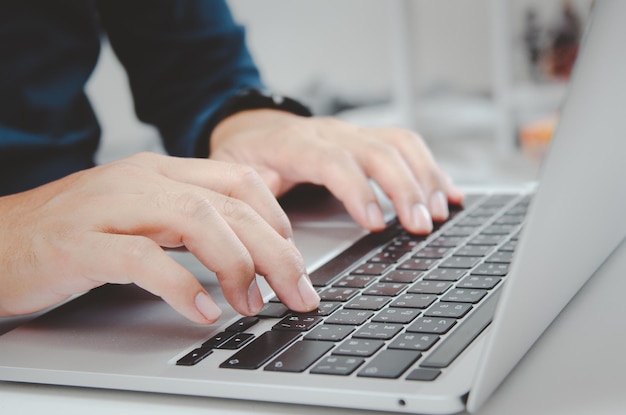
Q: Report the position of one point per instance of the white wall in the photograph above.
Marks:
(347, 44)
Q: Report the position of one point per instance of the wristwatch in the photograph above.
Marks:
(251, 99)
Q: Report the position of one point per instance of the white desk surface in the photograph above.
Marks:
(577, 367)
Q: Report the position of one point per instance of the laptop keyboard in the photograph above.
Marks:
(394, 305)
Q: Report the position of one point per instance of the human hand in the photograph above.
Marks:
(287, 149)
(110, 223)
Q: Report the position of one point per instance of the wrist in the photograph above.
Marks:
(248, 100)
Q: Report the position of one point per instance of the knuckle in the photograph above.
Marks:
(408, 135)
(123, 168)
(193, 205)
(145, 156)
(138, 249)
(381, 149)
(237, 210)
(245, 175)
(289, 255)
(338, 156)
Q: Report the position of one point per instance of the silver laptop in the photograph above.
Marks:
(407, 324)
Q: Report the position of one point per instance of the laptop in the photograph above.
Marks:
(408, 324)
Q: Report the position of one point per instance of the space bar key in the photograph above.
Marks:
(458, 340)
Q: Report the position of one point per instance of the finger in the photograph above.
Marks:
(337, 169)
(274, 257)
(437, 186)
(186, 215)
(141, 261)
(235, 180)
(227, 236)
(386, 165)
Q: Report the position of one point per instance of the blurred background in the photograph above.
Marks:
(481, 80)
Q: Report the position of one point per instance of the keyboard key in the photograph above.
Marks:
(243, 324)
(461, 262)
(402, 276)
(350, 317)
(396, 315)
(299, 356)
(494, 270)
(194, 357)
(509, 246)
(218, 339)
(387, 257)
(367, 302)
(435, 325)
(479, 281)
(419, 301)
(355, 281)
(446, 242)
(452, 310)
(460, 231)
(483, 239)
(386, 289)
(459, 339)
(370, 268)
(382, 331)
(236, 342)
(470, 200)
(359, 347)
(325, 308)
(445, 274)
(473, 221)
(429, 287)
(418, 264)
(297, 322)
(517, 210)
(499, 229)
(330, 332)
(273, 310)
(414, 341)
(404, 243)
(389, 364)
(474, 250)
(509, 219)
(425, 375)
(338, 294)
(262, 349)
(432, 252)
(500, 257)
(464, 295)
(484, 211)
(338, 365)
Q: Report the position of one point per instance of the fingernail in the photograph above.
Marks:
(255, 300)
(375, 216)
(454, 192)
(309, 296)
(207, 307)
(439, 205)
(422, 221)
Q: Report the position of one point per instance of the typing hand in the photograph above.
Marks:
(110, 223)
(287, 149)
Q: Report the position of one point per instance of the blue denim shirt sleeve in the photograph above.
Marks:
(184, 58)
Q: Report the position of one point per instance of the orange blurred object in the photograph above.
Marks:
(535, 135)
